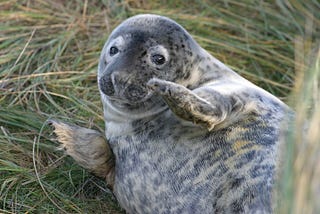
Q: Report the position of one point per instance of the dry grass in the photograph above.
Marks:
(299, 186)
(48, 59)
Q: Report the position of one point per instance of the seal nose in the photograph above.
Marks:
(107, 85)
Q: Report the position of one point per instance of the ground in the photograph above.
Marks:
(49, 53)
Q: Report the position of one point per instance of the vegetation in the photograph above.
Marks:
(49, 52)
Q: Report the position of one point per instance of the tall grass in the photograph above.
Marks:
(299, 184)
(48, 59)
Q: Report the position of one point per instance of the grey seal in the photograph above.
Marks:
(187, 134)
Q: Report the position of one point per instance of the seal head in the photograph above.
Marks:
(141, 48)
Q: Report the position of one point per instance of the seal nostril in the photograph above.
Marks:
(106, 85)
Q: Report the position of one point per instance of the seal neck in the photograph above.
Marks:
(116, 114)
(120, 120)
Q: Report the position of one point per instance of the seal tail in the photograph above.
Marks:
(88, 148)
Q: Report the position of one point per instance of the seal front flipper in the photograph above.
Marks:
(88, 148)
(189, 106)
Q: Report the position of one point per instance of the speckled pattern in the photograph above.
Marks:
(189, 135)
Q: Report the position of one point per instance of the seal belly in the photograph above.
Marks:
(199, 171)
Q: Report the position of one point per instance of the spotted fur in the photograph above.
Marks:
(189, 135)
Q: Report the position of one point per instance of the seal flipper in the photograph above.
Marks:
(88, 148)
(189, 106)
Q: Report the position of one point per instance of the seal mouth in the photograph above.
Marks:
(124, 92)
(125, 102)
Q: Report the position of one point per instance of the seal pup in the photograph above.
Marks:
(188, 134)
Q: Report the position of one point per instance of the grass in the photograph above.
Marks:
(49, 52)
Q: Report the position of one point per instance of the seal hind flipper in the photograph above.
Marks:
(88, 148)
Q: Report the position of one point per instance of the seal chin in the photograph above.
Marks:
(130, 98)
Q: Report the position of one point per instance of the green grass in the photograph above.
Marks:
(49, 52)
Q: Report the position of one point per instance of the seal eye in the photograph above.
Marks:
(158, 59)
(113, 50)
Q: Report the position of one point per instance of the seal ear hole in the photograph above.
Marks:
(158, 59)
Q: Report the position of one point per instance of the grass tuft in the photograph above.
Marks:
(49, 52)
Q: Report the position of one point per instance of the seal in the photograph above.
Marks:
(188, 134)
